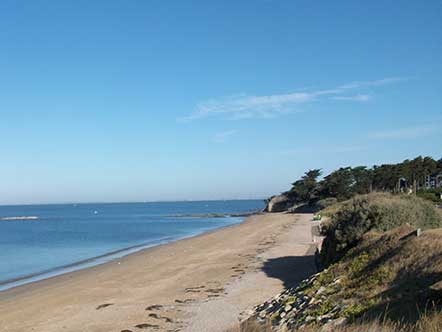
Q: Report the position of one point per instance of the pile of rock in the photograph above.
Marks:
(301, 306)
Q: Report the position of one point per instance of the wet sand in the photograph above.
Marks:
(201, 284)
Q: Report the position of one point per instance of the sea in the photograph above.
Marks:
(42, 241)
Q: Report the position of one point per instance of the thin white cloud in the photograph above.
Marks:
(361, 98)
(245, 106)
(223, 136)
(365, 84)
(405, 133)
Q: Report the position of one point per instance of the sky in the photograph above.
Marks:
(112, 101)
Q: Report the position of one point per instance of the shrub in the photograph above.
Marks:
(326, 202)
(377, 211)
(430, 195)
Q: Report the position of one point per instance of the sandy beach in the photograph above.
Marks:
(198, 284)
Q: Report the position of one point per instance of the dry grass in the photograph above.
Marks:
(427, 323)
(350, 220)
(395, 275)
(391, 274)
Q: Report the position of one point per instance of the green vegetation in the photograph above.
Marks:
(393, 274)
(433, 195)
(326, 202)
(307, 188)
(380, 275)
(419, 175)
(426, 323)
(351, 219)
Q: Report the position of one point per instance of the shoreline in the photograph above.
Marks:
(104, 258)
(80, 265)
(178, 278)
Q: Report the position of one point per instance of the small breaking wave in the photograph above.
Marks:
(19, 218)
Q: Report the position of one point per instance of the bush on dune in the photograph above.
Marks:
(326, 202)
(390, 282)
(433, 195)
(376, 211)
(393, 276)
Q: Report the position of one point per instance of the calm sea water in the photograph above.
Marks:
(74, 236)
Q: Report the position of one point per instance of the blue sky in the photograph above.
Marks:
(170, 100)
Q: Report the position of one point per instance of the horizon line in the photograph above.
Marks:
(137, 202)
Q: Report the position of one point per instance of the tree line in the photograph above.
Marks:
(345, 182)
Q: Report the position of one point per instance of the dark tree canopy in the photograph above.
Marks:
(349, 181)
(306, 189)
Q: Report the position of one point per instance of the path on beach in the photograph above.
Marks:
(195, 285)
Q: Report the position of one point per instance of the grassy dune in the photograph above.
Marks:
(380, 275)
(351, 219)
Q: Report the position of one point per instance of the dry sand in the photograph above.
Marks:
(199, 284)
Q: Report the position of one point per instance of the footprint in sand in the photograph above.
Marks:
(184, 301)
(197, 287)
(104, 305)
(154, 307)
(215, 290)
(146, 326)
(154, 316)
(194, 289)
(166, 319)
